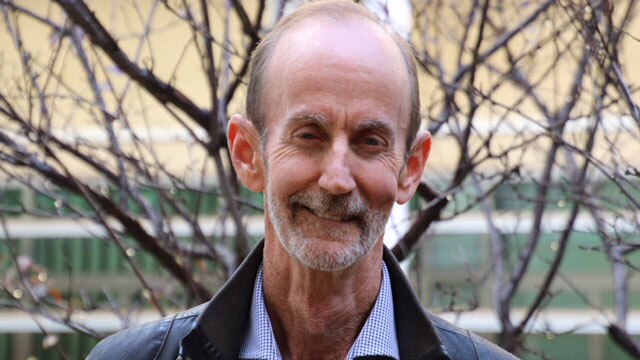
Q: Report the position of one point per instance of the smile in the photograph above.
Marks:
(330, 216)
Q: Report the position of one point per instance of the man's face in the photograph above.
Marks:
(337, 105)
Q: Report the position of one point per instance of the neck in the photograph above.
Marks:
(318, 314)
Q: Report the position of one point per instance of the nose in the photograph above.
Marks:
(336, 177)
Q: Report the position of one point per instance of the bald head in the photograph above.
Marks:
(306, 28)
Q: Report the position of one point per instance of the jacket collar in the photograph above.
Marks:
(417, 337)
(219, 329)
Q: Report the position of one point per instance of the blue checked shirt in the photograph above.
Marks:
(377, 337)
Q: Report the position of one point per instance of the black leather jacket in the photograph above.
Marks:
(214, 330)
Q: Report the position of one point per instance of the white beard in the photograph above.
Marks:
(355, 239)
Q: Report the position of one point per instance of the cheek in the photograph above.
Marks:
(379, 189)
(287, 175)
(379, 181)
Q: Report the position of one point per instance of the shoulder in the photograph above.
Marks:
(461, 343)
(155, 340)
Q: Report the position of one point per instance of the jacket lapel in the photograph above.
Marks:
(218, 331)
(417, 337)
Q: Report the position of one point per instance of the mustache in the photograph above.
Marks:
(342, 207)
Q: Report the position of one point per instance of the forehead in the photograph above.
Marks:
(353, 57)
(353, 37)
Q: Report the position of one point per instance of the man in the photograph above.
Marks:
(332, 141)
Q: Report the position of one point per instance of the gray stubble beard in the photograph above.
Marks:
(292, 235)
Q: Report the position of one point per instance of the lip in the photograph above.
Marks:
(336, 219)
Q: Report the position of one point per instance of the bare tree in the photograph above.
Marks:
(560, 63)
(531, 92)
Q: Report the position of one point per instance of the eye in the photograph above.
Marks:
(308, 134)
(369, 145)
(372, 141)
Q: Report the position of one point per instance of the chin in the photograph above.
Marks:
(328, 256)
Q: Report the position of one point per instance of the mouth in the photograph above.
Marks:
(330, 216)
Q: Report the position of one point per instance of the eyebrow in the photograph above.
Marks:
(303, 117)
(380, 126)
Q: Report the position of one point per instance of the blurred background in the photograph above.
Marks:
(118, 204)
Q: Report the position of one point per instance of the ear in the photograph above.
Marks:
(244, 144)
(414, 167)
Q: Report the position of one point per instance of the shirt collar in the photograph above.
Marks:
(377, 337)
(258, 341)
